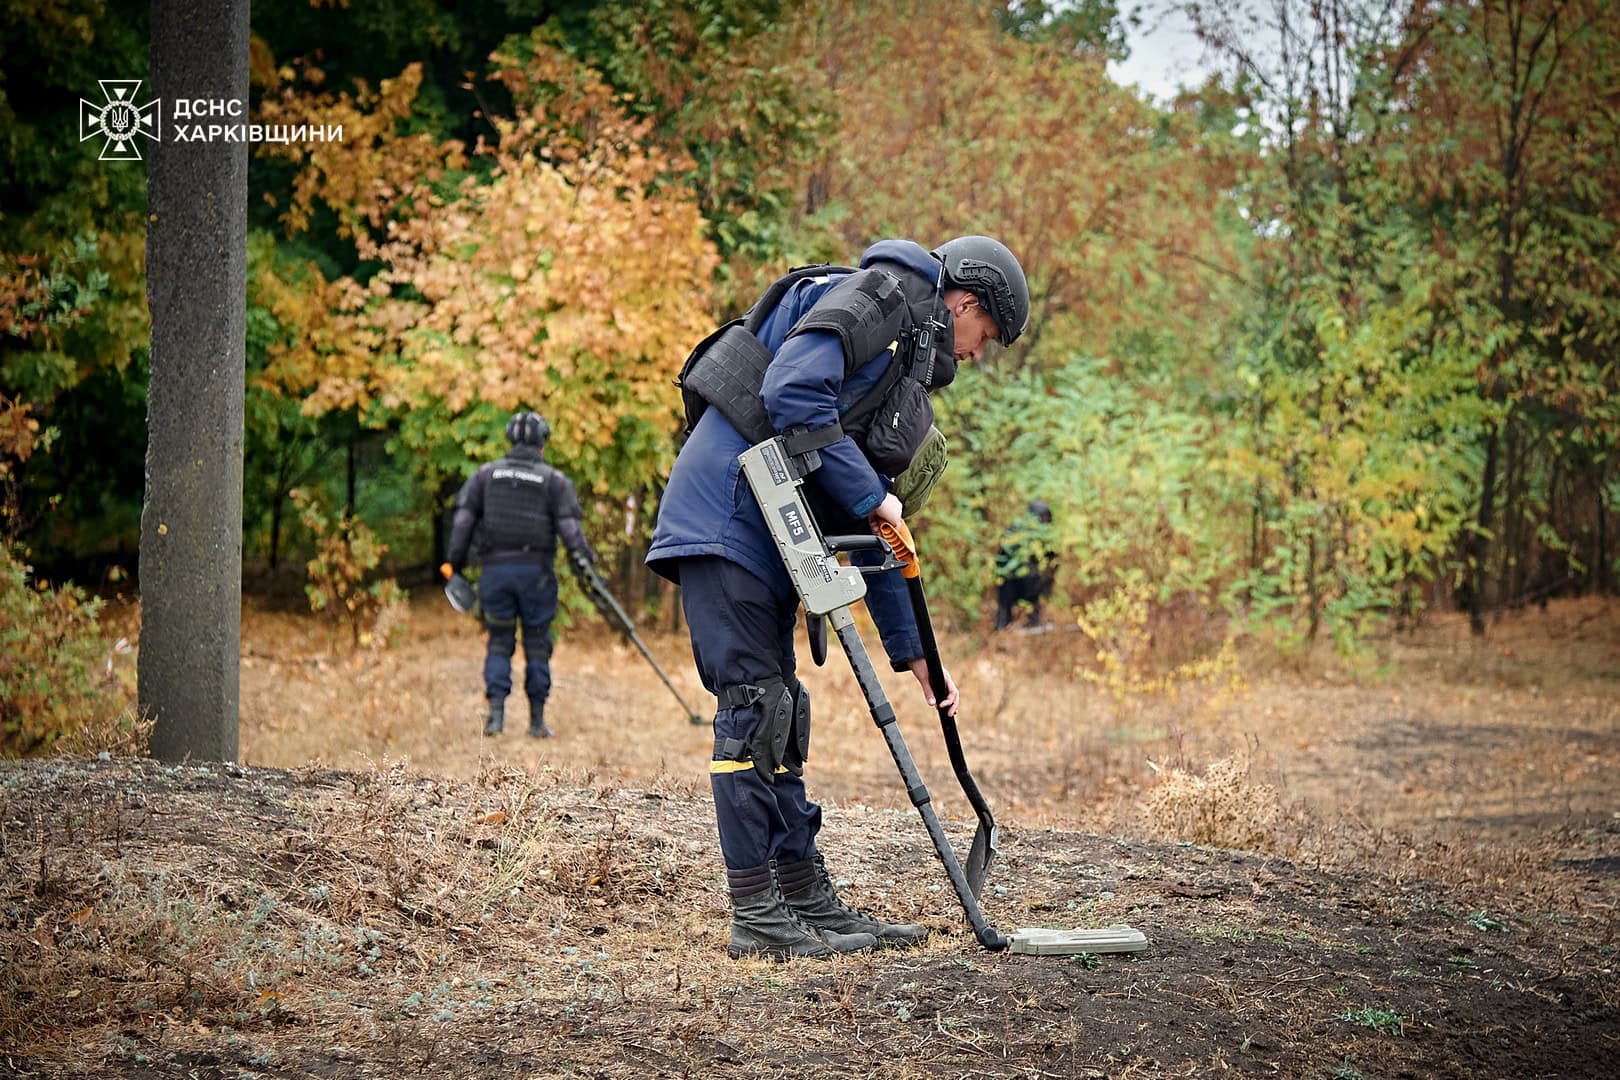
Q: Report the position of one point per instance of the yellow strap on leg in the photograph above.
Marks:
(737, 766)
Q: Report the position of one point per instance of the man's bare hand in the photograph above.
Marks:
(888, 510)
(919, 668)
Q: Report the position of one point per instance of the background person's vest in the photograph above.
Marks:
(517, 509)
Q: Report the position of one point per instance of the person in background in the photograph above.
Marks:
(1025, 565)
(510, 515)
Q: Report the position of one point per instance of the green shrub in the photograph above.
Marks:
(61, 686)
(346, 552)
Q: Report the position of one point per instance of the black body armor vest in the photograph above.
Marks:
(517, 509)
(868, 310)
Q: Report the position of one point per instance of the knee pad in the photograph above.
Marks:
(766, 747)
(798, 747)
(537, 642)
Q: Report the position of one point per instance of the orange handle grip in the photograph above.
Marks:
(905, 548)
(445, 571)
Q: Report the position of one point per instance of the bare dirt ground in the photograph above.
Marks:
(1430, 889)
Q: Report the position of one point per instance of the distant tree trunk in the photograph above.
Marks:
(442, 500)
(1557, 562)
(1516, 537)
(196, 289)
(275, 529)
(1478, 547)
(635, 584)
(1605, 575)
(1312, 592)
(672, 596)
(350, 479)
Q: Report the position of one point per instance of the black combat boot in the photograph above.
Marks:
(809, 892)
(497, 718)
(763, 925)
(537, 721)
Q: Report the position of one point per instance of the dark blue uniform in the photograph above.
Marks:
(517, 507)
(739, 602)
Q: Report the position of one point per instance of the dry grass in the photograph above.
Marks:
(497, 907)
(1456, 749)
(424, 897)
(1220, 807)
(231, 922)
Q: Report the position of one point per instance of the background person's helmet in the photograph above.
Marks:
(527, 429)
(985, 268)
(1041, 511)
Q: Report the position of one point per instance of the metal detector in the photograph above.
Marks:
(591, 583)
(828, 588)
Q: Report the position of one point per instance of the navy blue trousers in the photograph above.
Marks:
(742, 633)
(513, 595)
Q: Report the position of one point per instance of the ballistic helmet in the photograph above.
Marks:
(1041, 511)
(527, 429)
(985, 268)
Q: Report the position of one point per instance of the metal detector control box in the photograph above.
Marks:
(822, 581)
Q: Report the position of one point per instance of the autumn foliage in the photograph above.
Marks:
(1317, 346)
(567, 274)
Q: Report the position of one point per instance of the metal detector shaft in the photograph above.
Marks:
(843, 625)
(617, 618)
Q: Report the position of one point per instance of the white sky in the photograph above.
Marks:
(1165, 53)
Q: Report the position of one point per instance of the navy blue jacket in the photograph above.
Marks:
(707, 508)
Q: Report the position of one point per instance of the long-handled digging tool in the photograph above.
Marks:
(983, 852)
(458, 590)
(596, 589)
(828, 589)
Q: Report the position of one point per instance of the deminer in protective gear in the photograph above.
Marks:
(831, 359)
(1025, 565)
(509, 515)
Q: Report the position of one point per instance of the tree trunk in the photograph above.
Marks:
(1555, 563)
(1479, 546)
(1605, 574)
(196, 289)
(275, 528)
(443, 516)
(672, 598)
(1516, 537)
(1311, 590)
(350, 480)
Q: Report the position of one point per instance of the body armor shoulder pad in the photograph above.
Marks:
(866, 309)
